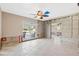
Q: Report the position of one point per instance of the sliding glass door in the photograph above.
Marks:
(29, 32)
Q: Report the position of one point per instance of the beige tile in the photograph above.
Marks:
(42, 47)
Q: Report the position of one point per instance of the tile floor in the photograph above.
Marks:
(43, 47)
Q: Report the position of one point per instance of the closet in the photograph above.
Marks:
(69, 26)
(66, 26)
(75, 25)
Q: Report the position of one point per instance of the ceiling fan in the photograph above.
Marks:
(41, 15)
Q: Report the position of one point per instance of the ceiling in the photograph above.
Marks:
(27, 9)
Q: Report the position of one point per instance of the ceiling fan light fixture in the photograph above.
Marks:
(41, 15)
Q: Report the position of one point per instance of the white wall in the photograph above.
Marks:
(47, 29)
(40, 32)
(12, 25)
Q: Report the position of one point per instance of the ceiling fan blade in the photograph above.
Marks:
(47, 12)
(46, 15)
